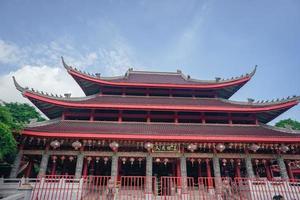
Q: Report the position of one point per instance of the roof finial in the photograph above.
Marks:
(218, 79)
(250, 100)
(64, 64)
(18, 86)
(254, 71)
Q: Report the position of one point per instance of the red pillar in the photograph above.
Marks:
(199, 169)
(85, 168)
(178, 171)
(208, 171)
(238, 171)
(53, 169)
(28, 170)
(148, 117)
(230, 118)
(290, 172)
(176, 117)
(268, 172)
(203, 118)
(120, 116)
(92, 115)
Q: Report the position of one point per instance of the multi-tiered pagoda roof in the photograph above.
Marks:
(158, 106)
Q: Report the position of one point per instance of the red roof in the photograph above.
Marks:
(161, 131)
(167, 80)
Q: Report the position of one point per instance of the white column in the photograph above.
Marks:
(217, 174)
(249, 167)
(282, 167)
(183, 173)
(44, 163)
(16, 165)
(114, 166)
(149, 183)
(79, 165)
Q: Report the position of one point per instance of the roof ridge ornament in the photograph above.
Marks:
(18, 86)
(250, 100)
(65, 64)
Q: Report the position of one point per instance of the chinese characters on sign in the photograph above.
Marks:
(166, 148)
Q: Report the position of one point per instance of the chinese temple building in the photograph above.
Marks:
(165, 127)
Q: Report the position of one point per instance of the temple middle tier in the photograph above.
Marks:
(157, 109)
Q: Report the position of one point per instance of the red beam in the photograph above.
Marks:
(154, 137)
(162, 85)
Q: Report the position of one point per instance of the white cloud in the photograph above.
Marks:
(8, 52)
(44, 78)
(41, 68)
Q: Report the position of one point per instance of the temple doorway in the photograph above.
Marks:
(132, 167)
(165, 167)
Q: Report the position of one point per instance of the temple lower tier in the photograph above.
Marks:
(81, 163)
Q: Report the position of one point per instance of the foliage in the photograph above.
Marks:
(22, 112)
(13, 117)
(293, 124)
(7, 141)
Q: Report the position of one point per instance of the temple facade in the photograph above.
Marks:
(166, 128)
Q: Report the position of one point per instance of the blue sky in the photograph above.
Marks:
(205, 39)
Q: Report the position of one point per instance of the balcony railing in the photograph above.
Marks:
(164, 188)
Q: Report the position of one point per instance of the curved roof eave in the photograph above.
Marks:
(195, 84)
(59, 102)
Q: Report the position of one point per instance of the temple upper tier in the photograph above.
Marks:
(157, 84)
(158, 109)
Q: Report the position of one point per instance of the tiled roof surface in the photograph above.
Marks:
(167, 129)
(164, 101)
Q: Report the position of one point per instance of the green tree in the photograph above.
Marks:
(22, 113)
(7, 141)
(293, 124)
(13, 117)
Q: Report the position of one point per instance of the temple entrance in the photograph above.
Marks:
(132, 167)
(165, 167)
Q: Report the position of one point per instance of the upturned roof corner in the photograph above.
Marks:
(18, 86)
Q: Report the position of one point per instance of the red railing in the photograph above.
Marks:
(263, 189)
(136, 187)
(165, 188)
(55, 187)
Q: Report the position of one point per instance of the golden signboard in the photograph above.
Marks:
(166, 148)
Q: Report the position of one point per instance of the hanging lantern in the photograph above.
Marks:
(105, 160)
(76, 145)
(140, 162)
(220, 147)
(54, 158)
(192, 161)
(224, 161)
(192, 147)
(283, 148)
(97, 159)
(89, 159)
(131, 160)
(166, 160)
(55, 144)
(114, 146)
(254, 147)
(89, 143)
(124, 160)
(148, 146)
(199, 160)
